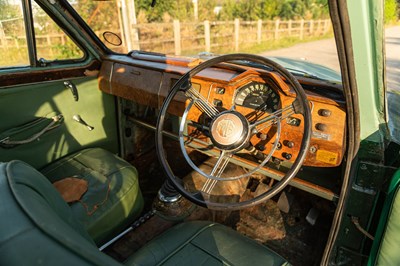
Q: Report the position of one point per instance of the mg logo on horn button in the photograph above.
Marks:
(225, 128)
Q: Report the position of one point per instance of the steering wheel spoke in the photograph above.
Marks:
(217, 171)
(201, 103)
(221, 164)
(272, 119)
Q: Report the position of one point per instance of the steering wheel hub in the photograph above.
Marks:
(229, 130)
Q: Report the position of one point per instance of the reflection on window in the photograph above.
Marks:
(103, 16)
(51, 42)
(13, 45)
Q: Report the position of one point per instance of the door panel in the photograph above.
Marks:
(22, 104)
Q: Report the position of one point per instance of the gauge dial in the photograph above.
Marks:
(258, 96)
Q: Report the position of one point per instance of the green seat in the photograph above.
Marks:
(38, 228)
(113, 199)
(386, 246)
(204, 243)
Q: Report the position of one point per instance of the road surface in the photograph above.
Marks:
(321, 52)
(393, 80)
(393, 58)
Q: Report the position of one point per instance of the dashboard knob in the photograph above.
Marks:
(286, 155)
(321, 127)
(324, 112)
(260, 147)
(262, 136)
(288, 143)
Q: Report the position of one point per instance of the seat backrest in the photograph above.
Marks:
(37, 226)
(386, 246)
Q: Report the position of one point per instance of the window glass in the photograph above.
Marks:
(51, 42)
(105, 17)
(211, 27)
(392, 48)
(13, 46)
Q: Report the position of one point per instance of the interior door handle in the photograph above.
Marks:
(69, 85)
(15, 136)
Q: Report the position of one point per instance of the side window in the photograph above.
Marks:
(13, 46)
(51, 42)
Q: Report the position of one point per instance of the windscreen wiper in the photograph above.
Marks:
(303, 73)
(252, 64)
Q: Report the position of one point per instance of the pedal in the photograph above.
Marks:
(285, 201)
(312, 216)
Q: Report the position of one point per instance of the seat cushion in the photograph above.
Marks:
(204, 243)
(113, 199)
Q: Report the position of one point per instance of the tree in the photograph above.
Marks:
(9, 10)
(206, 10)
(98, 14)
(12, 23)
(155, 14)
(271, 9)
(231, 9)
(391, 10)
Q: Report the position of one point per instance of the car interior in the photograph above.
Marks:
(152, 159)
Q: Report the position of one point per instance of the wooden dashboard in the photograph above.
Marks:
(147, 79)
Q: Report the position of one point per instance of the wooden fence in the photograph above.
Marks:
(189, 38)
(193, 37)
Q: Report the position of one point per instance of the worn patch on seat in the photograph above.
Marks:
(71, 188)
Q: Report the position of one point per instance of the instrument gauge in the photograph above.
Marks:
(258, 96)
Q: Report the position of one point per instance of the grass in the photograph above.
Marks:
(264, 46)
(11, 57)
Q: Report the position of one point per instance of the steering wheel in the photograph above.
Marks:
(230, 132)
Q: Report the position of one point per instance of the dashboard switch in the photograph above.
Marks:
(293, 121)
(217, 103)
(279, 146)
(220, 90)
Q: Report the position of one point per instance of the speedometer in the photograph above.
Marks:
(258, 96)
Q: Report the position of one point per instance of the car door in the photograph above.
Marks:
(50, 104)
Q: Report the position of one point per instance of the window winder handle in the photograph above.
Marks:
(79, 119)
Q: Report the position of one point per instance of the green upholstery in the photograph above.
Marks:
(113, 199)
(204, 243)
(389, 252)
(386, 245)
(38, 228)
